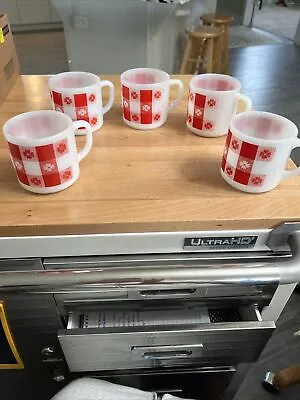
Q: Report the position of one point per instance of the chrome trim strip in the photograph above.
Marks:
(285, 271)
(169, 259)
(140, 277)
(119, 243)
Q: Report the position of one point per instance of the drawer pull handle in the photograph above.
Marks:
(167, 352)
(177, 293)
(167, 355)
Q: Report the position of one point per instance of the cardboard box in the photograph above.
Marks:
(9, 63)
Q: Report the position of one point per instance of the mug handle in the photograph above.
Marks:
(88, 138)
(178, 83)
(111, 98)
(246, 100)
(295, 171)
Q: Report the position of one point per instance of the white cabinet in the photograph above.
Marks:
(145, 34)
(24, 12)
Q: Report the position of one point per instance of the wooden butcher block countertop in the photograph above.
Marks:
(132, 181)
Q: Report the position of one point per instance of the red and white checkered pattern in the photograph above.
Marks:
(144, 107)
(42, 166)
(246, 163)
(202, 111)
(82, 106)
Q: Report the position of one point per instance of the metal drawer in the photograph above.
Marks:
(90, 297)
(213, 337)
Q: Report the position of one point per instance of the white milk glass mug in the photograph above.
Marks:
(43, 149)
(145, 97)
(79, 95)
(212, 103)
(257, 149)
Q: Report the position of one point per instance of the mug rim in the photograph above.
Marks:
(255, 140)
(228, 78)
(126, 82)
(33, 141)
(54, 78)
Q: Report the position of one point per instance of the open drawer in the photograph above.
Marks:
(109, 340)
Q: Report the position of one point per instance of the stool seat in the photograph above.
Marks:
(205, 32)
(217, 19)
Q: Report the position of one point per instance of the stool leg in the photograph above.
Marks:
(218, 54)
(200, 65)
(186, 56)
(209, 55)
(222, 51)
(225, 49)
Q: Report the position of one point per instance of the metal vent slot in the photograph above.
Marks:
(129, 318)
(224, 315)
(84, 320)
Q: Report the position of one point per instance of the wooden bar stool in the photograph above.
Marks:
(203, 50)
(223, 22)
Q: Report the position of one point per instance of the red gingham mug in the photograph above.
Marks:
(257, 148)
(145, 97)
(43, 149)
(79, 95)
(212, 103)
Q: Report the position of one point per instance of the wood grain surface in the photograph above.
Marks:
(135, 181)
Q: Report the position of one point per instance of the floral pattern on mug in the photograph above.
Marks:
(229, 171)
(35, 181)
(134, 95)
(135, 117)
(92, 98)
(208, 125)
(146, 107)
(82, 112)
(94, 121)
(265, 154)
(257, 180)
(211, 103)
(48, 167)
(19, 165)
(244, 164)
(198, 112)
(157, 94)
(61, 148)
(66, 174)
(28, 154)
(235, 144)
(68, 100)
